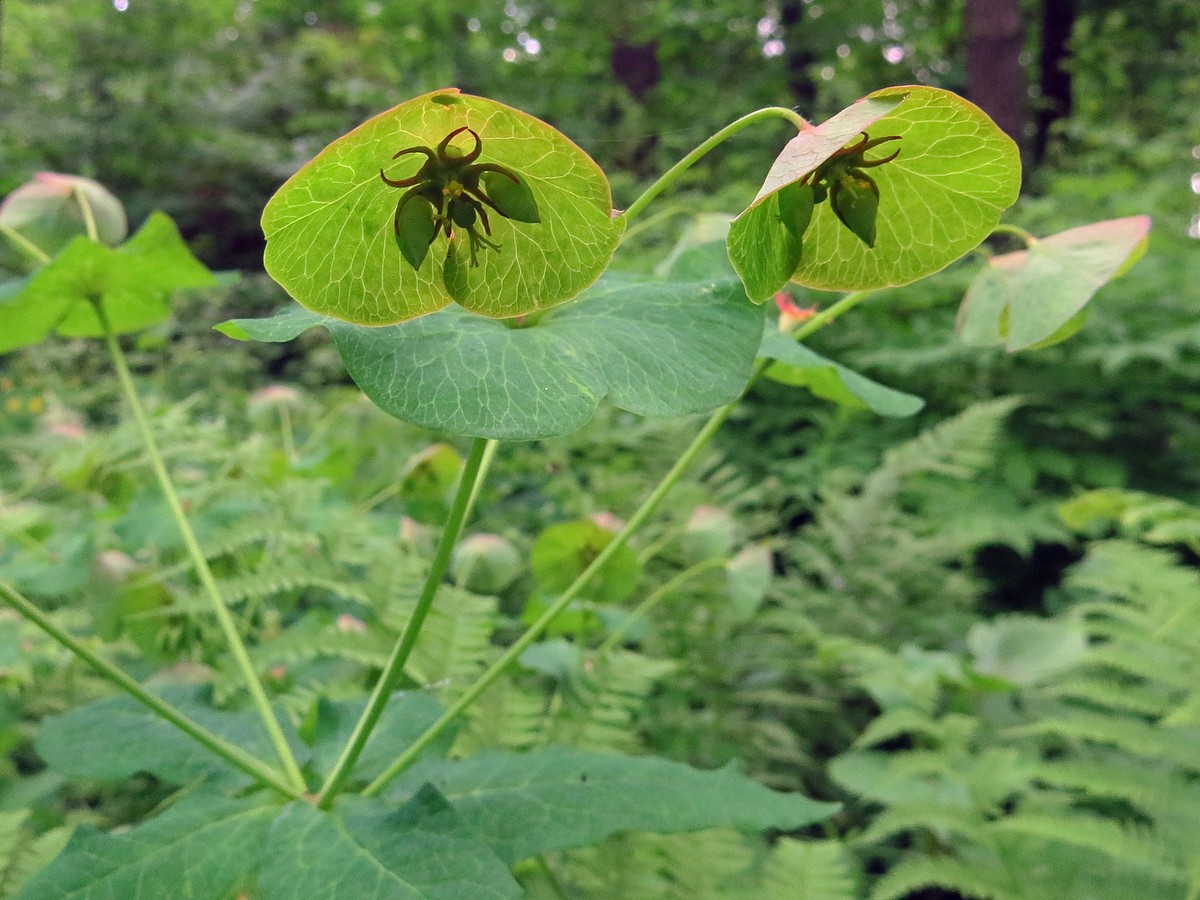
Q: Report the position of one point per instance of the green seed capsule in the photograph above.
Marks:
(855, 201)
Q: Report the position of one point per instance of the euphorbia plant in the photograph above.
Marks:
(474, 302)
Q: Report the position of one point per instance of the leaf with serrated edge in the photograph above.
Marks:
(1034, 293)
(369, 850)
(523, 804)
(655, 348)
(798, 366)
(117, 737)
(331, 244)
(205, 847)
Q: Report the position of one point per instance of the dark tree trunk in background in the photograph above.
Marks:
(1058, 20)
(797, 56)
(995, 39)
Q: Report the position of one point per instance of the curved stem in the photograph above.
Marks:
(649, 505)
(825, 316)
(485, 464)
(672, 174)
(655, 597)
(231, 753)
(39, 255)
(236, 647)
(400, 653)
(89, 217)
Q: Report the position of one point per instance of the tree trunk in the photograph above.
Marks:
(797, 56)
(995, 38)
(1058, 20)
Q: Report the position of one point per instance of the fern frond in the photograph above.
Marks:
(601, 709)
(917, 873)
(1176, 745)
(507, 716)
(1139, 847)
(942, 821)
(1141, 699)
(22, 855)
(959, 447)
(455, 641)
(809, 870)
(894, 723)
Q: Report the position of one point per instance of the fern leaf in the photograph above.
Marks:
(809, 870)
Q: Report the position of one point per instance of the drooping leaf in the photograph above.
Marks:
(118, 737)
(654, 348)
(329, 228)
(523, 804)
(797, 365)
(767, 241)
(133, 284)
(1038, 296)
(50, 210)
(563, 551)
(205, 847)
(368, 850)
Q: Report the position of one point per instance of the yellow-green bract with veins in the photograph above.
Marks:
(331, 240)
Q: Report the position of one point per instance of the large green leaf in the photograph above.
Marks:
(1035, 296)
(798, 366)
(367, 850)
(956, 173)
(404, 719)
(118, 737)
(528, 803)
(330, 238)
(204, 848)
(1024, 650)
(654, 348)
(132, 282)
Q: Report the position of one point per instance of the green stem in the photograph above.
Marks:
(825, 316)
(655, 597)
(1016, 231)
(231, 753)
(33, 250)
(485, 465)
(649, 505)
(89, 217)
(400, 653)
(204, 573)
(673, 174)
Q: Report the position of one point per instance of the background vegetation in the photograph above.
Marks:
(979, 628)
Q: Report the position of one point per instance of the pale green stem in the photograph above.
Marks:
(89, 217)
(236, 647)
(825, 316)
(673, 174)
(649, 505)
(1016, 231)
(36, 252)
(231, 753)
(285, 432)
(643, 609)
(661, 216)
(394, 667)
(485, 465)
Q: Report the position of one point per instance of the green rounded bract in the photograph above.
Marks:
(332, 229)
